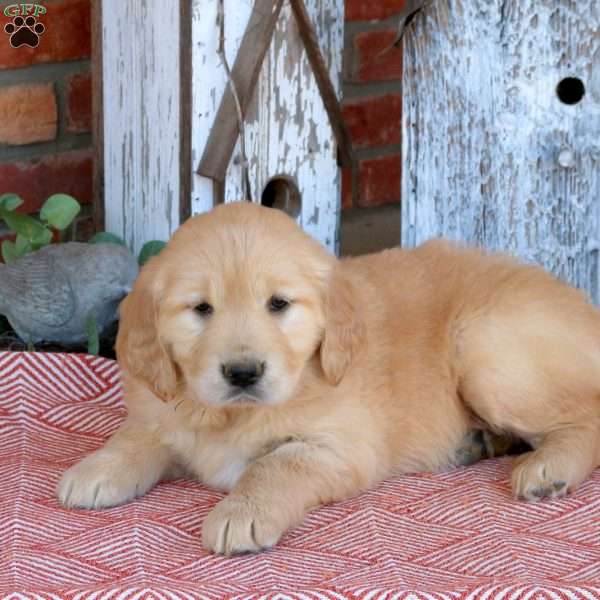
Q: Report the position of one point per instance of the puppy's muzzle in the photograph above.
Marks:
(243, 374)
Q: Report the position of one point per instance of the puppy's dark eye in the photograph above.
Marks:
(204, 309)
(277, 304)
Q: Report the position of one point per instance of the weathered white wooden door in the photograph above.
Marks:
(501, 130)
(163, 84)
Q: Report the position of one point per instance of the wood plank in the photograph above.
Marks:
(244, 74)
(483, 129)
(288, 128)
(97, 120)
(142, 119)
(331, 102)
(209, 83)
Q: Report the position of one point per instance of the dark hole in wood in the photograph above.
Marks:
(282, 192)
(570, 90)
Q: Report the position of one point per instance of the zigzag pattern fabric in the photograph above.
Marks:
(419, 537)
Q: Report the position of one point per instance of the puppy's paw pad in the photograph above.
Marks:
(533, 480)
(236, 527)
(92, 484)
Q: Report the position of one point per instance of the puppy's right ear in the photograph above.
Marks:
(140, 351)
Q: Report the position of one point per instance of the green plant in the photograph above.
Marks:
(57, 213)
(93, 338)
(149, 249)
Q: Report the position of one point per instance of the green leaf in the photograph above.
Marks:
(60, 210)
(93, 339)
(9, 252)
(42, 237)
(27, 227)
(103, 237)
(23, 245)
(10, 201)
(150, 249)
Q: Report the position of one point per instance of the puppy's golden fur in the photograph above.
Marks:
(379, 365)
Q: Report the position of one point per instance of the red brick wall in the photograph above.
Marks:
(372, 103)
(45, 109)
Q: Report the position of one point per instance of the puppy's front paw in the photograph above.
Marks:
(98, 481)
(235, 526)
(534, 478)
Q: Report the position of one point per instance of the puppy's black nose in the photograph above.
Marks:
(243, 374)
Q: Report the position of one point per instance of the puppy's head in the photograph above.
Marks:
(232, 309)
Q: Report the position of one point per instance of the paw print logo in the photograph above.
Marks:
(24, 32)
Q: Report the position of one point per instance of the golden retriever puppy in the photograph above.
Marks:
(258, 363)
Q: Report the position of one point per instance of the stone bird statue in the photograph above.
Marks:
(49, 295)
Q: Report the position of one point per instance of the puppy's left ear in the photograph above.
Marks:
(344, 327)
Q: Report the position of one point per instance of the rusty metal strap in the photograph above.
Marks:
(321, 73)
(245, 72)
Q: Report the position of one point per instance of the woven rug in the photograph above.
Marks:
(452, 535)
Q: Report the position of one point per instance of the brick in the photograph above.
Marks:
(79, 103)
(374, 121)
(347, 188)
(28, 114)
(379, 181)
(370, 10)
(67, 36)
(376, 59)
(35, 180)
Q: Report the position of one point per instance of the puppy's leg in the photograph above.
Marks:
(131, 463)
(543, 385)
(274, 494)
(563, 459)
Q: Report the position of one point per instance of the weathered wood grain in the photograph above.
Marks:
(141, 97)
(244, 74)
(209, 83)
(163, 83)
(287, 127)
(97, 118)
(483, 129)
(330, 98)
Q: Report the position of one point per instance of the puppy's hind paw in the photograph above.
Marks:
(533, 479)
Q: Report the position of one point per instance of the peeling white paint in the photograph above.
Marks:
(483, 131)
(209, 80)
(287, 127)
(141, 119)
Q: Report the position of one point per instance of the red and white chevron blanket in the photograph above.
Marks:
(453, 535)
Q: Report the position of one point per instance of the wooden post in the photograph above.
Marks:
(494, 151)
(142, 79)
